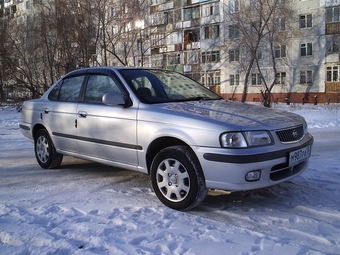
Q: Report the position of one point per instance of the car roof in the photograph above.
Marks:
(103, 68)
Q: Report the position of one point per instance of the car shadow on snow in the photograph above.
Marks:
(281, 196)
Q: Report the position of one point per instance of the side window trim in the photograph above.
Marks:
(114, 80)
(55, 94)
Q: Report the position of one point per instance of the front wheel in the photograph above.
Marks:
(45, 151)
(177, 178)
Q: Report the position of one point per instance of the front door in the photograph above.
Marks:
(107, 133)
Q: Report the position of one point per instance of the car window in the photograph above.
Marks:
(54, 94)
(143, 86)
(97, 86)
(68, 90)
(157, 86)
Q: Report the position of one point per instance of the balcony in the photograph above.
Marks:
(332, 28)
(332, 87)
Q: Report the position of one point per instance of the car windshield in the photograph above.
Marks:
(160, 86)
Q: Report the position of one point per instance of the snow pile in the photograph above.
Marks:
(88, 208)
(317, 116)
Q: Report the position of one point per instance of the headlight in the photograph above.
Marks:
(258, 138)
(245, 139)
(233, 140)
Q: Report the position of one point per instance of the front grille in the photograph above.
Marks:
(290, 135)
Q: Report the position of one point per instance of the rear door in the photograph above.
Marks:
(107, 133)
(59, 115)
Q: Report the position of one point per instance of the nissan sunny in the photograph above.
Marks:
(162, 123)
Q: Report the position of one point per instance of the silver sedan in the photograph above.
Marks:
(164, 124)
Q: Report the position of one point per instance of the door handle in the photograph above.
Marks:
(82, 114)
(46, 110)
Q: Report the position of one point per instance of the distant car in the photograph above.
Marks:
(164, 124)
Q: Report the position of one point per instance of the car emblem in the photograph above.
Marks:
(295, 134)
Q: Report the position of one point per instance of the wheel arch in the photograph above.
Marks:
(160, 143)
(36, 129)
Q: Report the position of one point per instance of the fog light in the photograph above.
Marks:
(253, 176)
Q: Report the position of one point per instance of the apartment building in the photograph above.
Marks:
(204, 43)
(204, 40)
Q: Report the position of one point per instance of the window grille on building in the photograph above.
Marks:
(333, 73)
(306, 77)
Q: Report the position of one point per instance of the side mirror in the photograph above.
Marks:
(114, 98)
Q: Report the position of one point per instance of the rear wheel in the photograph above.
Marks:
(177, 178)
(45, 151)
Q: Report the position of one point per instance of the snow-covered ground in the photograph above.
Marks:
(87, 208)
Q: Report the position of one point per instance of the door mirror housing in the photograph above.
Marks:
(114, 98)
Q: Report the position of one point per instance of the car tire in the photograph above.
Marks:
(45, 151)
(177, 178)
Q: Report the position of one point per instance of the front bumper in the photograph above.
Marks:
(226, 171)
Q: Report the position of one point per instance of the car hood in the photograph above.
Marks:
(239, 115)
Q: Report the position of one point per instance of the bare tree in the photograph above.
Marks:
(3, 59)
(258, 26)
(75, 30)
(277, 38)
(24, 61)
(106, 32)
(121, 32)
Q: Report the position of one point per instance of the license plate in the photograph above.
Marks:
(299, 155)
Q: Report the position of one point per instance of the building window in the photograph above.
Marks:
(280, 78)
(115, 30)
(306, 21)
(234, 79)
(259, 53)
(306, 49)
(174, 38)
(255, 27)
(174, 59)
(154, 2)
(255, 4)
(234, 6)
(280, 24)
(209, 10)
(128, 27)
(332, 14)
(234, 31)
(334, 47)
(211, 56)
(332, 20)
(113, 11)
(126, 8)
(139, 45)
(158, 39)
(192, 35)
(333, 73)
(192, 13)
(306, 77)
(157, 60)
(211, 78)
(256, 79)
(191, 57)
(234, 55)
(212, 32)
(280, 51)
(158, 18)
